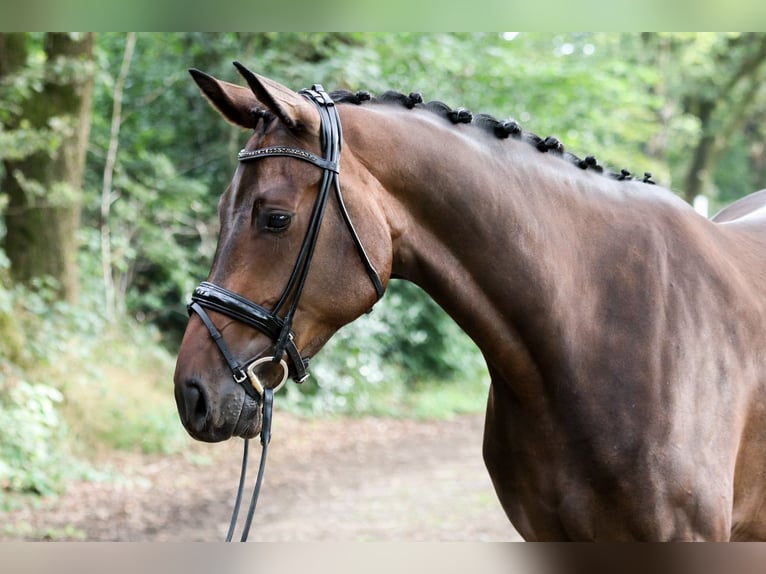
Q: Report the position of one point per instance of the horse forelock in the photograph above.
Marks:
(501, 129)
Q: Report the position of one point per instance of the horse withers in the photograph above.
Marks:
(625, 335)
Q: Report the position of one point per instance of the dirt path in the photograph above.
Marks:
(343, 480)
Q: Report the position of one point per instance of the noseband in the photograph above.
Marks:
(279, 329)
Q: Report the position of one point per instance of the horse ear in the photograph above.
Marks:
(290, 107)
(234, 102)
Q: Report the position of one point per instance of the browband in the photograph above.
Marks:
(297, 153)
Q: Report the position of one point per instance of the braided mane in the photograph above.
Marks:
(501, 129)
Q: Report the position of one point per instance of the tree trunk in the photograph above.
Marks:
(13, 52)
(45, 189)
(107, 198)
(698, 177)
(721, 116)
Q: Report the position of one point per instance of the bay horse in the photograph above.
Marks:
(625, 335)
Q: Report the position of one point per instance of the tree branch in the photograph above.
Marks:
(106, 189)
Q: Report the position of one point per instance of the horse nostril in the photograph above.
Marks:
(193, 405)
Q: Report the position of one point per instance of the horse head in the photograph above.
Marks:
(290, 267)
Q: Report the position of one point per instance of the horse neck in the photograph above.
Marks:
(489, 228)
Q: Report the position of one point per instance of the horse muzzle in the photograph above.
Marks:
(217, 417)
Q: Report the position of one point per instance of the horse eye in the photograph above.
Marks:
(278, 222)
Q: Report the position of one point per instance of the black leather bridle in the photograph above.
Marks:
(279, 329)
(208, 296)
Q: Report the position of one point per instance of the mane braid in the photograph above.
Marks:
(500, 129)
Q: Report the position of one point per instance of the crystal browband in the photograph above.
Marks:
(245, 155)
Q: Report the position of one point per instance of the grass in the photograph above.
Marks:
(124, 398)
(446, 400)
(26, 531)
(424, 400)
(395, 398)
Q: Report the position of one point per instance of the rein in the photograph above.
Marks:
(207, 296)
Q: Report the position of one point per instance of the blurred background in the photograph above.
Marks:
(111, 164)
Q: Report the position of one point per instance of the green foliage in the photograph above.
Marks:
(32, 452)
(19, 138)
(735, 176)
(11, 335)
(588, 89)
(124, 400)
(34, 447)
(70, 381)
(381, 362)
(713, 87)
